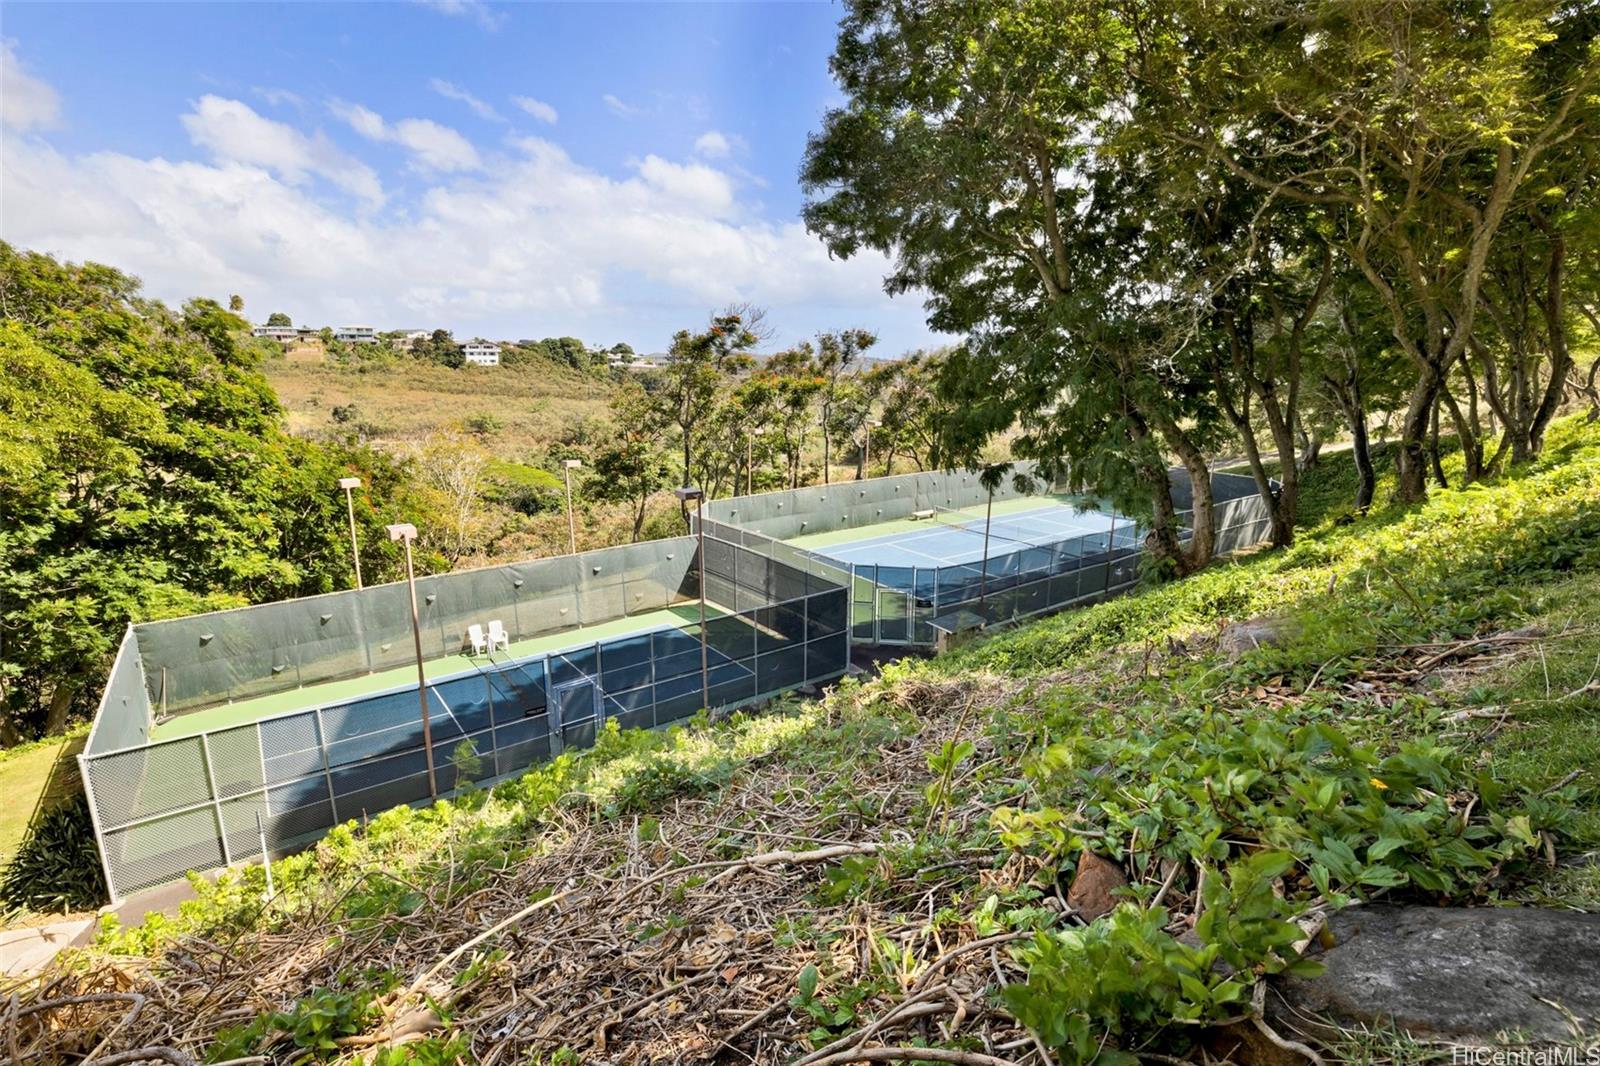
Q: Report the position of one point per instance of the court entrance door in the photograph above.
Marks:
(575, 713)
(894, 600)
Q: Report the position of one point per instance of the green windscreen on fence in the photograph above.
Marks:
(338, 746)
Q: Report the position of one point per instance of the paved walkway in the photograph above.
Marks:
(29, 949)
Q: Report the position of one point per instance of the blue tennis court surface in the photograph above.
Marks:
(953, 538)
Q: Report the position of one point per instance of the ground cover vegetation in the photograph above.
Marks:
(892, 872)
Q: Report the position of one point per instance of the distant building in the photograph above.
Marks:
(406, 339)
(481, 353)
(356, 334)
(637, 361)
(281, 334)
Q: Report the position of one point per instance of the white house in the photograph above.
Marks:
(356, 334)
(282, 334)
(481, 353)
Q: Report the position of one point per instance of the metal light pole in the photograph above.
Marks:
(405, 532)
(567, 466)
(686, 494)
(349, 483)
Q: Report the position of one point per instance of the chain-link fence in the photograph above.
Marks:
(912, 605)
(212, 798)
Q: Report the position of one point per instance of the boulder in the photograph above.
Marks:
(1266, 632)
(1473, 976)
(1094, 886)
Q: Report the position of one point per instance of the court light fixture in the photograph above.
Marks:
(567, 467)
(405, 532)
(349, 484)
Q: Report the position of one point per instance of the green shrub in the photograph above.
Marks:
(58, 866)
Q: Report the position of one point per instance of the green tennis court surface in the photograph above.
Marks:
(331, 692)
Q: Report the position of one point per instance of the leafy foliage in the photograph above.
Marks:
(145, 471)
(58, 866)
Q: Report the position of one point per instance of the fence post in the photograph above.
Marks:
(266, 860)
(327, 771)
(216, 801)
(99, 830)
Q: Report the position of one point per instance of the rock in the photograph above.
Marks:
(1454, 974)
(1265, 632)
(1093, 885)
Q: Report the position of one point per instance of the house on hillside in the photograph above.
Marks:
(481, 353)
(406, 339)
(281, 334)
(637, 362)
(356, 334)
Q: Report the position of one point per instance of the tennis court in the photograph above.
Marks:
(281, 720)
(950, 536)
(344, 690)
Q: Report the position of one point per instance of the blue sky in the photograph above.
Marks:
(613, 171)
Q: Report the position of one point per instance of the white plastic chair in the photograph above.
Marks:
(475, 638)
(498, 637)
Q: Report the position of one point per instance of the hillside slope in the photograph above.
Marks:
(891, 867)
(529, 407)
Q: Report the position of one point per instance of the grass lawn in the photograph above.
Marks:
(34, 778)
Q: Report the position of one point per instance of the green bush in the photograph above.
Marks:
(58, 867)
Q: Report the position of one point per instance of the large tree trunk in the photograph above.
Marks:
(60, 705)
(1435, 461)
(1411, 457)
(1361, 451)
(1561, 363)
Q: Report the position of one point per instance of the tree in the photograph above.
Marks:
(837, 353)
(912, 416)
(688, 386)
(1418, 127)
(439, 347)
(146, 471)
(632, 466)
(967, 151)
(278, 318)
(236, 303)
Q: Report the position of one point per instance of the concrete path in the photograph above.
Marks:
(28, 950)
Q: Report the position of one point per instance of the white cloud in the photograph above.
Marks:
(538, 242)
(26, 103)
(537, 108)
(714, 144)
(618, 107)
(278, 97)
(233, 132)
(485, 16)
(434, 147)
(454, 92)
